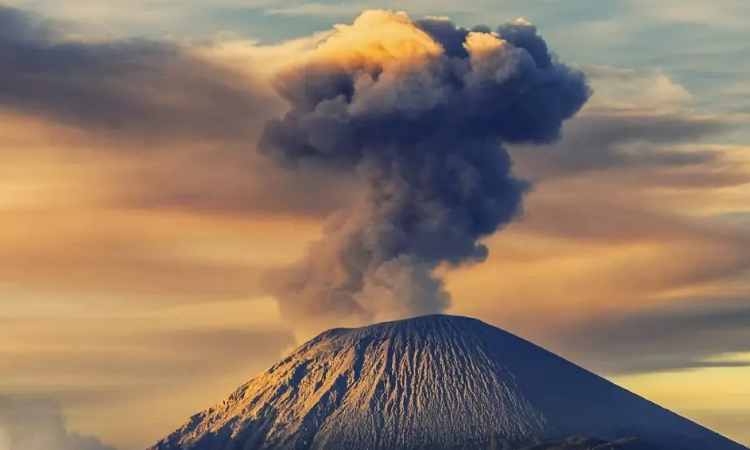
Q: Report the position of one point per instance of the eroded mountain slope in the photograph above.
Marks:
(435, 382)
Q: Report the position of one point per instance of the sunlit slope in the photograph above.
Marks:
(434, 382)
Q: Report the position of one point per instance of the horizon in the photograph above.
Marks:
(162, 244)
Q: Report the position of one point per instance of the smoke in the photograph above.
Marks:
(420, 112)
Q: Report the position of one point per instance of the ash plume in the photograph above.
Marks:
(420, 112)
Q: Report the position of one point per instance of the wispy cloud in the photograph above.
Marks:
(39, 425)
(317, 9)
(722, 14)
(691, 334)
(129, 87)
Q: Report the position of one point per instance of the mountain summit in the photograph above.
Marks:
(433, 383)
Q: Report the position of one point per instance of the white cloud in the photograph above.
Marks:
(626, 88)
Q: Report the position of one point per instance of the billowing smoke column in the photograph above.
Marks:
(419, 111)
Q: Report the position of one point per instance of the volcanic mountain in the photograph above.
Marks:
(434, 383)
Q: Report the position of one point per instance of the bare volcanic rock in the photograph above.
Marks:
(434, 383)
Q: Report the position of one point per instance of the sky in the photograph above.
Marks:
(138, 221)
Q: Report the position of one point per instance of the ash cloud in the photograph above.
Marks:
(420, 111)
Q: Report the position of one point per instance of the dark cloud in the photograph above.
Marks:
(648, 153)
(636, 146)
(635, 140)
(16, 24)
(130, 96)
(39, 425)
(156, 90)
(687, 335)
(136, 88)
(421, 118)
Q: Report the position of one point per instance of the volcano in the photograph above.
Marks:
(434, 383)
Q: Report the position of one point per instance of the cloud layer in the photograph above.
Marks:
(701, 335)
(130, 87)
(134, 203)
